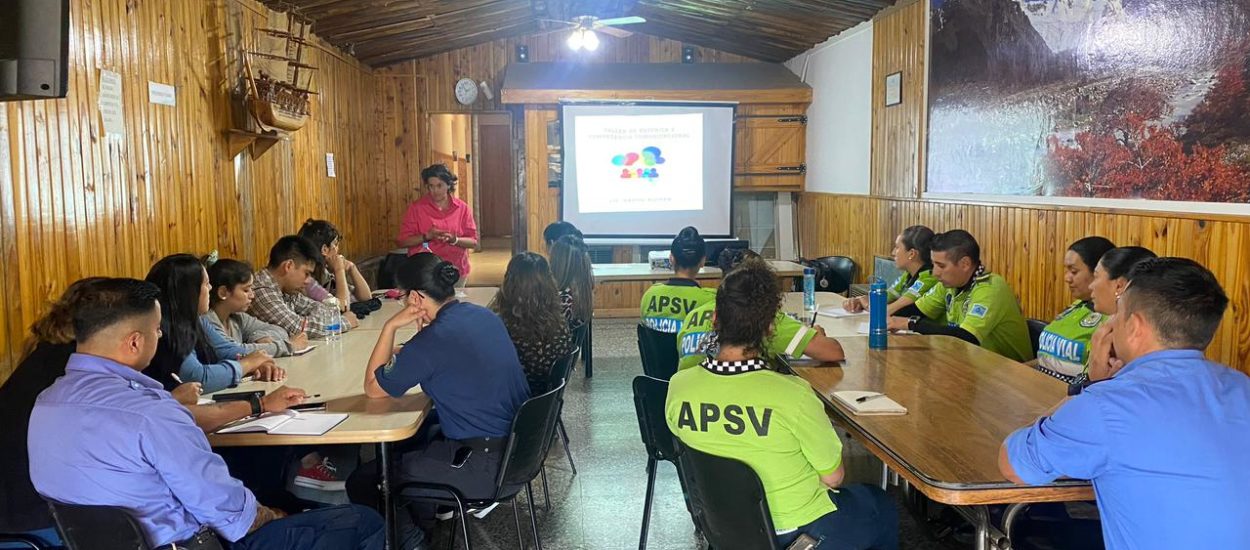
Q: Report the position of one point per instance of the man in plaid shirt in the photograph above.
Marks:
(279, 287)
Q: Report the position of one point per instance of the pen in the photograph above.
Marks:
(175, 377)
(303, 327)
(868, 398)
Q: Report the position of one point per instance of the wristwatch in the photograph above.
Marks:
(911, 322)
(254, 401)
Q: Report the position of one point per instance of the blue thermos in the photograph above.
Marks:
(809, 295)
(877, 329)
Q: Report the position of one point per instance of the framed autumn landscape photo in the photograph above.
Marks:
(1105, 99)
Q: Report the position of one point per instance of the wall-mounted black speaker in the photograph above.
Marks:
(687, 54)
(34, 49)
(522, 53)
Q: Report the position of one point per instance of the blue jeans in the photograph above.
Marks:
(347, 527)
(48, 536)
(866, 519)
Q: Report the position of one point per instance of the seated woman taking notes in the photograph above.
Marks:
(230, 298)
(911, 254)
(774, 423)
(188, 350)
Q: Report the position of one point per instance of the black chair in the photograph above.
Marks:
(649, 396)
(836, 273)
(27, 540)
(1036, 326)
(533, 429)
(559, 375)
(582, 338)
(728, 501)
(97, 527)
(658, 351)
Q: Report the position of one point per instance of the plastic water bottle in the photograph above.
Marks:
(809, 294)
(336, 325)
(877, 330)
(331, 320)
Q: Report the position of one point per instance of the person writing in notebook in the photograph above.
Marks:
(735, 404)
(1164, 440)
(105, 434)
(278, 290)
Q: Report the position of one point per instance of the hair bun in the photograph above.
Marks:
(447, 274)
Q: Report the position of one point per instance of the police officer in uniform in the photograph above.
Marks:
(973, 304)
(911, 255)
(735, 405)
(666, 305)
(788, 337)
(1063, 348)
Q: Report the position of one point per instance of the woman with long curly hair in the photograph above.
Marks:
(530, 309)
(570, 265)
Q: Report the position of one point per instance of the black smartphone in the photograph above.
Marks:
(462, 456)
(309, 407)
(238, 396)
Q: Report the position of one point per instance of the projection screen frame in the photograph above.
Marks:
(733, 145)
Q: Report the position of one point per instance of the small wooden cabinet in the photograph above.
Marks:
(770, 148)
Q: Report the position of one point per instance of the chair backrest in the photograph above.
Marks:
(533, 428)
(883, 266)
(580, 334)
(833, 274)
(649, 397)
(562, 367)
(658, 351)
(1036, 326)
(97, 527)
(727, 501)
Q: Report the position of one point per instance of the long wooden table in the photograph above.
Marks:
(335, 371)
(619, 287)
(962, 401)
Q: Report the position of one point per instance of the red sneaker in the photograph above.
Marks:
(323, 477)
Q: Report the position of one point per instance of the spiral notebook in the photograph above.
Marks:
(288, 423)
(874, 403)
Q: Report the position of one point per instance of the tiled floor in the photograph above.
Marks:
(601, 507)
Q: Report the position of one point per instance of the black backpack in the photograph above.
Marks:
(833, 273)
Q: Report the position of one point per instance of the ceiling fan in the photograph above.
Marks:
(585, 26)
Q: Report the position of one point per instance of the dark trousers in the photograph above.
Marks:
(866, 519)
(336, 528)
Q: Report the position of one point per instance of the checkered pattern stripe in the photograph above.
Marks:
(734, 367)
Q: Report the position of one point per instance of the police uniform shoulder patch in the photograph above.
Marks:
(978, 310)
(1091, 320)
(916, 286)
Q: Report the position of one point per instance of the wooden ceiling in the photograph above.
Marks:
(381, 32)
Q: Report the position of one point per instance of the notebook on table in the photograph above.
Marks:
(288, 423)
(873, 403)
(837, 312)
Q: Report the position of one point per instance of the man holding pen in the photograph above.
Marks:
(105, 434)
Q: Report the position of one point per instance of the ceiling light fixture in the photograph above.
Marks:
(583, 39)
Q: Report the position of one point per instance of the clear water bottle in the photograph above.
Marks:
(332, 321)
(877, 329)
(809, 295)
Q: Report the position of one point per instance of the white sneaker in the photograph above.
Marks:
(482, 513)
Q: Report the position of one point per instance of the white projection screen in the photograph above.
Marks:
(647, 169)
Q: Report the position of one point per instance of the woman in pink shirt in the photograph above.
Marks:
(439, 222)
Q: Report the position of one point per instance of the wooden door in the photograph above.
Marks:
(451, 143)
(494, 162)
(770, 152)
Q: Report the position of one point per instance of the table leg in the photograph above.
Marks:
(588, 354)
(384, 489)
(987, 537)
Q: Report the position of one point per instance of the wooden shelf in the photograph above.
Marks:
(259, 142)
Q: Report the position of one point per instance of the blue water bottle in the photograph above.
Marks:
(877, 330)
(809, 295)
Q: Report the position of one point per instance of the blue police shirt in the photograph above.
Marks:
(1165, 443)
(465, 361)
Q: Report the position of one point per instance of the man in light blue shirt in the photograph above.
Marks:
(1165, 441)
(105, 434)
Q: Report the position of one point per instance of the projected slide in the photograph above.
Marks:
(643, 169)
(640, 163)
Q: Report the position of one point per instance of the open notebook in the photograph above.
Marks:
(875, 404)
(288, 423)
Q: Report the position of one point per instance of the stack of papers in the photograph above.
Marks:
(873, 403)
(288, 423)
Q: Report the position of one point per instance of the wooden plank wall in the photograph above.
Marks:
(74, 203)
(1025, 243)
(487, 62)
(899, 39)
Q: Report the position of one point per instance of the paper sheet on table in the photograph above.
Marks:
(837, 312)
(863, 329)
(877, 403)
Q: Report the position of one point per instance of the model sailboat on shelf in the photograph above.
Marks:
(278, 81)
